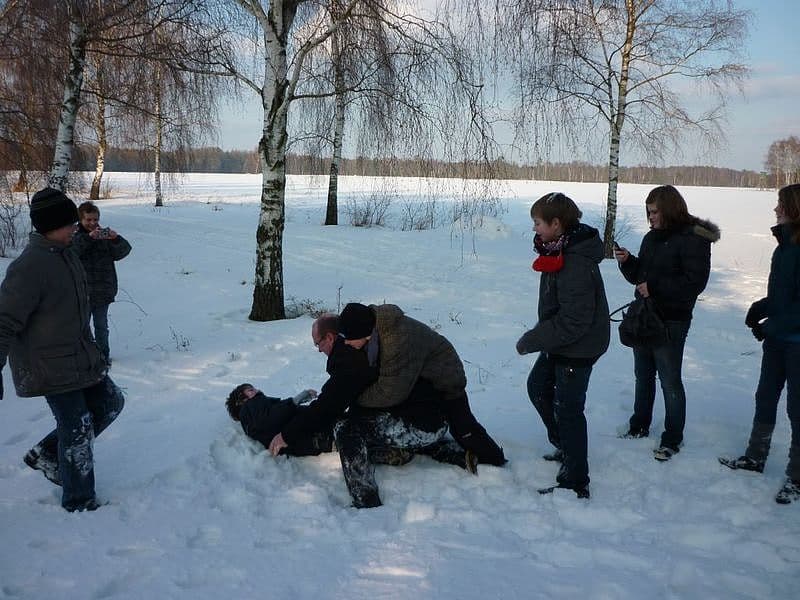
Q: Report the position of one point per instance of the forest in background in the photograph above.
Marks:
(216, 160)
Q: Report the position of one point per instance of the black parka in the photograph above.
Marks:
(350, 374)
(676, 264)
(573, 310)
(781, 307)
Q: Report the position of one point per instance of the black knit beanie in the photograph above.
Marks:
(356, 321)
(51, 209)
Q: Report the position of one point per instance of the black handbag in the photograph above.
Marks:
(641, 325)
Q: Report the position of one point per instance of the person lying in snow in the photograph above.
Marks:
(262, 417)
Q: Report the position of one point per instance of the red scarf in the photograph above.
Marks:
(551, 254)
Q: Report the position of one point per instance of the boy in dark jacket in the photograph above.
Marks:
(98, 248)
(44, 331)
(262, 418)
(572, 333)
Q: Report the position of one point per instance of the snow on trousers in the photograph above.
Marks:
(360, 437)
(81, 415)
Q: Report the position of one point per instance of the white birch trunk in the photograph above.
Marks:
(617, 122)
(65, 137)
(102, 143)
(332, 211)
(157, 152)
(268, 301)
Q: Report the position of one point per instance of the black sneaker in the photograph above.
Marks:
(745, 463)
(789, 492)
(48, 467)
(582, 492)
(635, 433)
(368, 500)
(88, 506)
(555, 456)
(664, 453)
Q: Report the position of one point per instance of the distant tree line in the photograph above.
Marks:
(216, 160)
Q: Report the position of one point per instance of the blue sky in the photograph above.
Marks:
(769, 110)
(766, 112)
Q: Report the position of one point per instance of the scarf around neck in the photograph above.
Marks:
(551, 254)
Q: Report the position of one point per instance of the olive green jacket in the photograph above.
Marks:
(410, 350)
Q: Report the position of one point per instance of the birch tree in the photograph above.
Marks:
(290, 33)
(282, 32)
(620, 64)
(783, 161)
(396, 85)
(29, 80)
(111, 27)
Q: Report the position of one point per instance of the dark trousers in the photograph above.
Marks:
(665, 360)
(469, 433)
(558, 392)
(780, 365)
(362, 440)
(100, 324)
(81, 415)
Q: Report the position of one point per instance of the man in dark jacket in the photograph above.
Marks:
(349, 374)
(44, 332)
(98, 248)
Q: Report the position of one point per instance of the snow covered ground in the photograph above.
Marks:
(199, 511)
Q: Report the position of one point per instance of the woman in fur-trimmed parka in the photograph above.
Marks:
(672, 268)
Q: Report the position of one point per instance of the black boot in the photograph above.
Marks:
(36, 459)
(789, 493)
(451, 453)
(470, 434)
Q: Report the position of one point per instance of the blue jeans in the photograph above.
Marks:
(665, 360)
(80, 415)
(780, 365)
(558, 392)
(100, 323)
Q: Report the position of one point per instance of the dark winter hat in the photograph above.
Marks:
(51, 209)
(356, 321)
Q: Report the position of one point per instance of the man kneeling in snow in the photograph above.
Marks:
(262, 417)
(415, 427)
(419, 393)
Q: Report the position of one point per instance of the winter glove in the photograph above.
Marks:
(754, 314)
(758, 332)
(304, 397)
